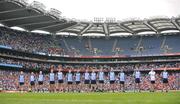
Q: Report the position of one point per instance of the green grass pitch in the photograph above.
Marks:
(91, 98)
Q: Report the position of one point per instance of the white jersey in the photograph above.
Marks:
(21, 78)
(122, 76)
(137, 74)
(32, 78)
(93, 76)
(51, 77)
(165, 74)
(41, 77)
(152, 75)
(60, 75)
(112, 76)
(69, 77)
(101, 76)
(86, 76)
(78, 77)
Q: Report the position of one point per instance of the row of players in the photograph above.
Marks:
(96, 80)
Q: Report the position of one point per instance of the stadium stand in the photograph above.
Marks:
(139, 45)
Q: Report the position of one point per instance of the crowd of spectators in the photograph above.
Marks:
(126, 67)
(58, 45)
(25, 64)
(30, 42)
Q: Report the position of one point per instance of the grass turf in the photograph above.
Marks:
(90, 98)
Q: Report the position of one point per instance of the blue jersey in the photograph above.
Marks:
(101, 76)
(41, 77)
(32, 78)
(51, 77)
(60, 76)
(111, 76)
(86, 76)
(137, 74)
(69, 77)
(165, 75)
(93, 76)
(78, 77)
(21, 78)
(122, 76)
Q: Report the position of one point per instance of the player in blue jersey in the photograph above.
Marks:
(69, 78)
(165, 75)
(78, 81)
(60, 78)
(93, 80)
(86, 80)
(32, 81)
(137, 76)
(52, 80)
(101, 77)
(40, 81)
(112, 78)
(21, 81)
(122, 80)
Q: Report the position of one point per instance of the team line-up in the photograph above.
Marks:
(89, 81)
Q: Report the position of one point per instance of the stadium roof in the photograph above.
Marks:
(34, 16)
